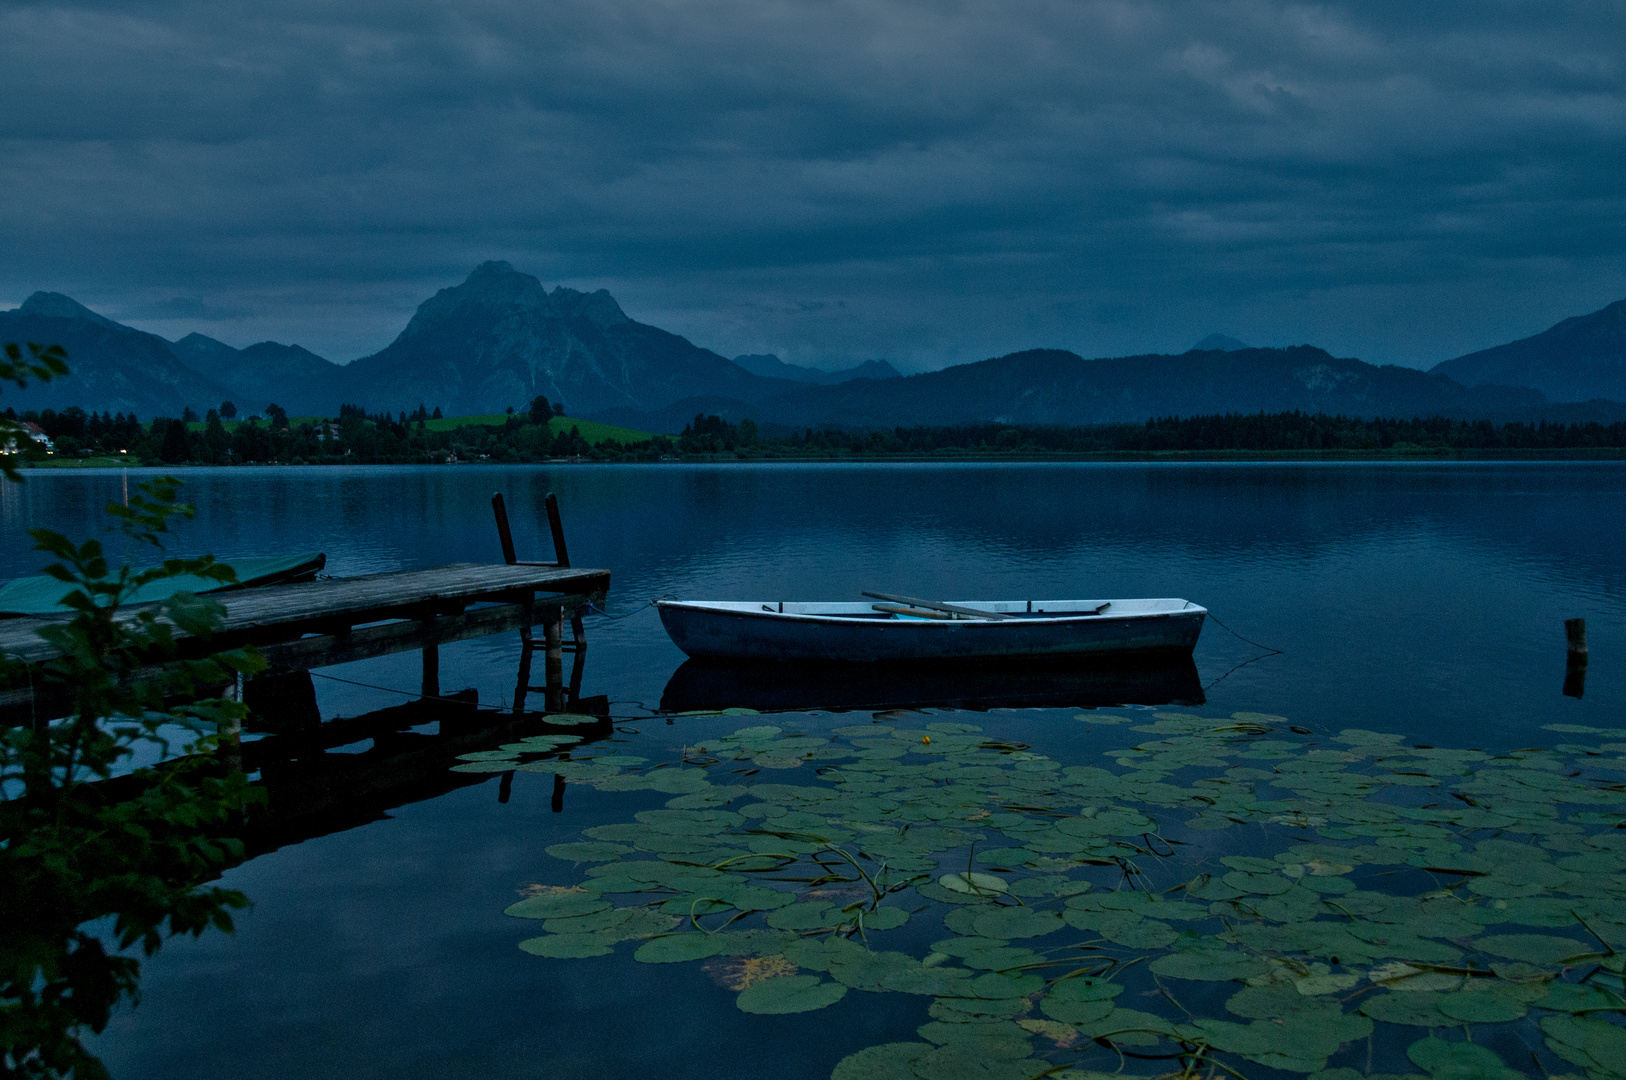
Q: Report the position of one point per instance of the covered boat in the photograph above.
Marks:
(909, 629)
(43, 595)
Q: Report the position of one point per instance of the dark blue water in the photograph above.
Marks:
(1426, 599)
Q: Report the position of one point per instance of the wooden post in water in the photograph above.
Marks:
(1575, 636)
(504, 536)
(431, 671)
(561, 555)
(231, 746)
(554, 634)
(1575, 657)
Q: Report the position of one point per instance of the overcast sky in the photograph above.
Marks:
(832, 181)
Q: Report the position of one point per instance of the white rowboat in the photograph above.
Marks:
(922, 630)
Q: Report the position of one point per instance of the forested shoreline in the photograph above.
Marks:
(356, 437)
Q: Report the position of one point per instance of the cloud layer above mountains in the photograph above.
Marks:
(931, 182)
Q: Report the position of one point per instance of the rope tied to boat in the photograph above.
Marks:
(590, 606)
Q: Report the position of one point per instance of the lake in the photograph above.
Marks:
(1422, 600)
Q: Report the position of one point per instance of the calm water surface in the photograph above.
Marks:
(1424, 599)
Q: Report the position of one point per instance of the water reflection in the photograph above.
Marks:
(350, 771)
(799, 687)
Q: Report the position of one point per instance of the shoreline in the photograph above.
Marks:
(1408, 454)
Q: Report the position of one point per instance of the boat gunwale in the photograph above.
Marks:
(1017, 618)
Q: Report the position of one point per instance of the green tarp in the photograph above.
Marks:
(42, 595)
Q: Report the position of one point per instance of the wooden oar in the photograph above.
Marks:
(953, 609)
(912, 612)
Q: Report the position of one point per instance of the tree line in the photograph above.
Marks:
(357, 436)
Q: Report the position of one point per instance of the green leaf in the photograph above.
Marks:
(678, 948)
(588, 851)
(889, 1061)
(1534, 948)
(789, 994)
(558, 905)
(1015, 922)
(977, 884)
(1485, 1004)
(1417, 1009)
(566, 946)
(1209, 965)
(813, 915)
(1459, 1061)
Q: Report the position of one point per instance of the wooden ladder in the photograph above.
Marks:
(553, 631)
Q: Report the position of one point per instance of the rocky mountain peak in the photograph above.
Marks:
(54, 305)
(598, 308)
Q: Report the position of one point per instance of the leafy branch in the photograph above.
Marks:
(85, 837)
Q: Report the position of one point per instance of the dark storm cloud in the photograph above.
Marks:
(931, 182)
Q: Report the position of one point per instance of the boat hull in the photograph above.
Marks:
(850, 633)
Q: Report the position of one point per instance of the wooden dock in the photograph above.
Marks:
(334, 621)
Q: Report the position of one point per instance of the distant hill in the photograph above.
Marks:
(773, 367)
(1577, 360)
(501, 339)
(1218, 343)
(1049, 386)
(295, 378)
(113, 368)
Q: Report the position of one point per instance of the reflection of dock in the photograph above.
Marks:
(789, 687)
(335, 621)
(312, 790)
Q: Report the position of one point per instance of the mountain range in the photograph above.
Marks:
(501, 338)
(1576, 360)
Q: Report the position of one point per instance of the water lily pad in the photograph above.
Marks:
(1573, 998)
(885, 917)
(1485, 1002)
(1209, 965)
(572, 720)
(1420, 1009)
(814, 915)
(1015, 922)
(973, 883)
(889, 1061)
(1533, 948)
(679, 948)
(789, 994)
(588, 851)
(1595, 1045)
(567, 946)
(1080, 1000)
(558, 903)
(1459, 1061)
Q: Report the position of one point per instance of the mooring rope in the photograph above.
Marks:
(1239, 637)
(625, 614)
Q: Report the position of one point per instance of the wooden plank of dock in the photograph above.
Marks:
(337, 620)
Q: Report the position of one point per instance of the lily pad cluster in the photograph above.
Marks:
(1237, 893)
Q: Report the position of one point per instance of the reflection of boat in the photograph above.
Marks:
(911, 629)
(41, 595)
(704, 685)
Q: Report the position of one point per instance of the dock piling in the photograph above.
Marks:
(553, 631)
(1575, 657)
(431, 670)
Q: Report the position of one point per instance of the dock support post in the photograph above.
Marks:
(554, 633)
(1575, 658)
(231, 746)
(431, 670)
